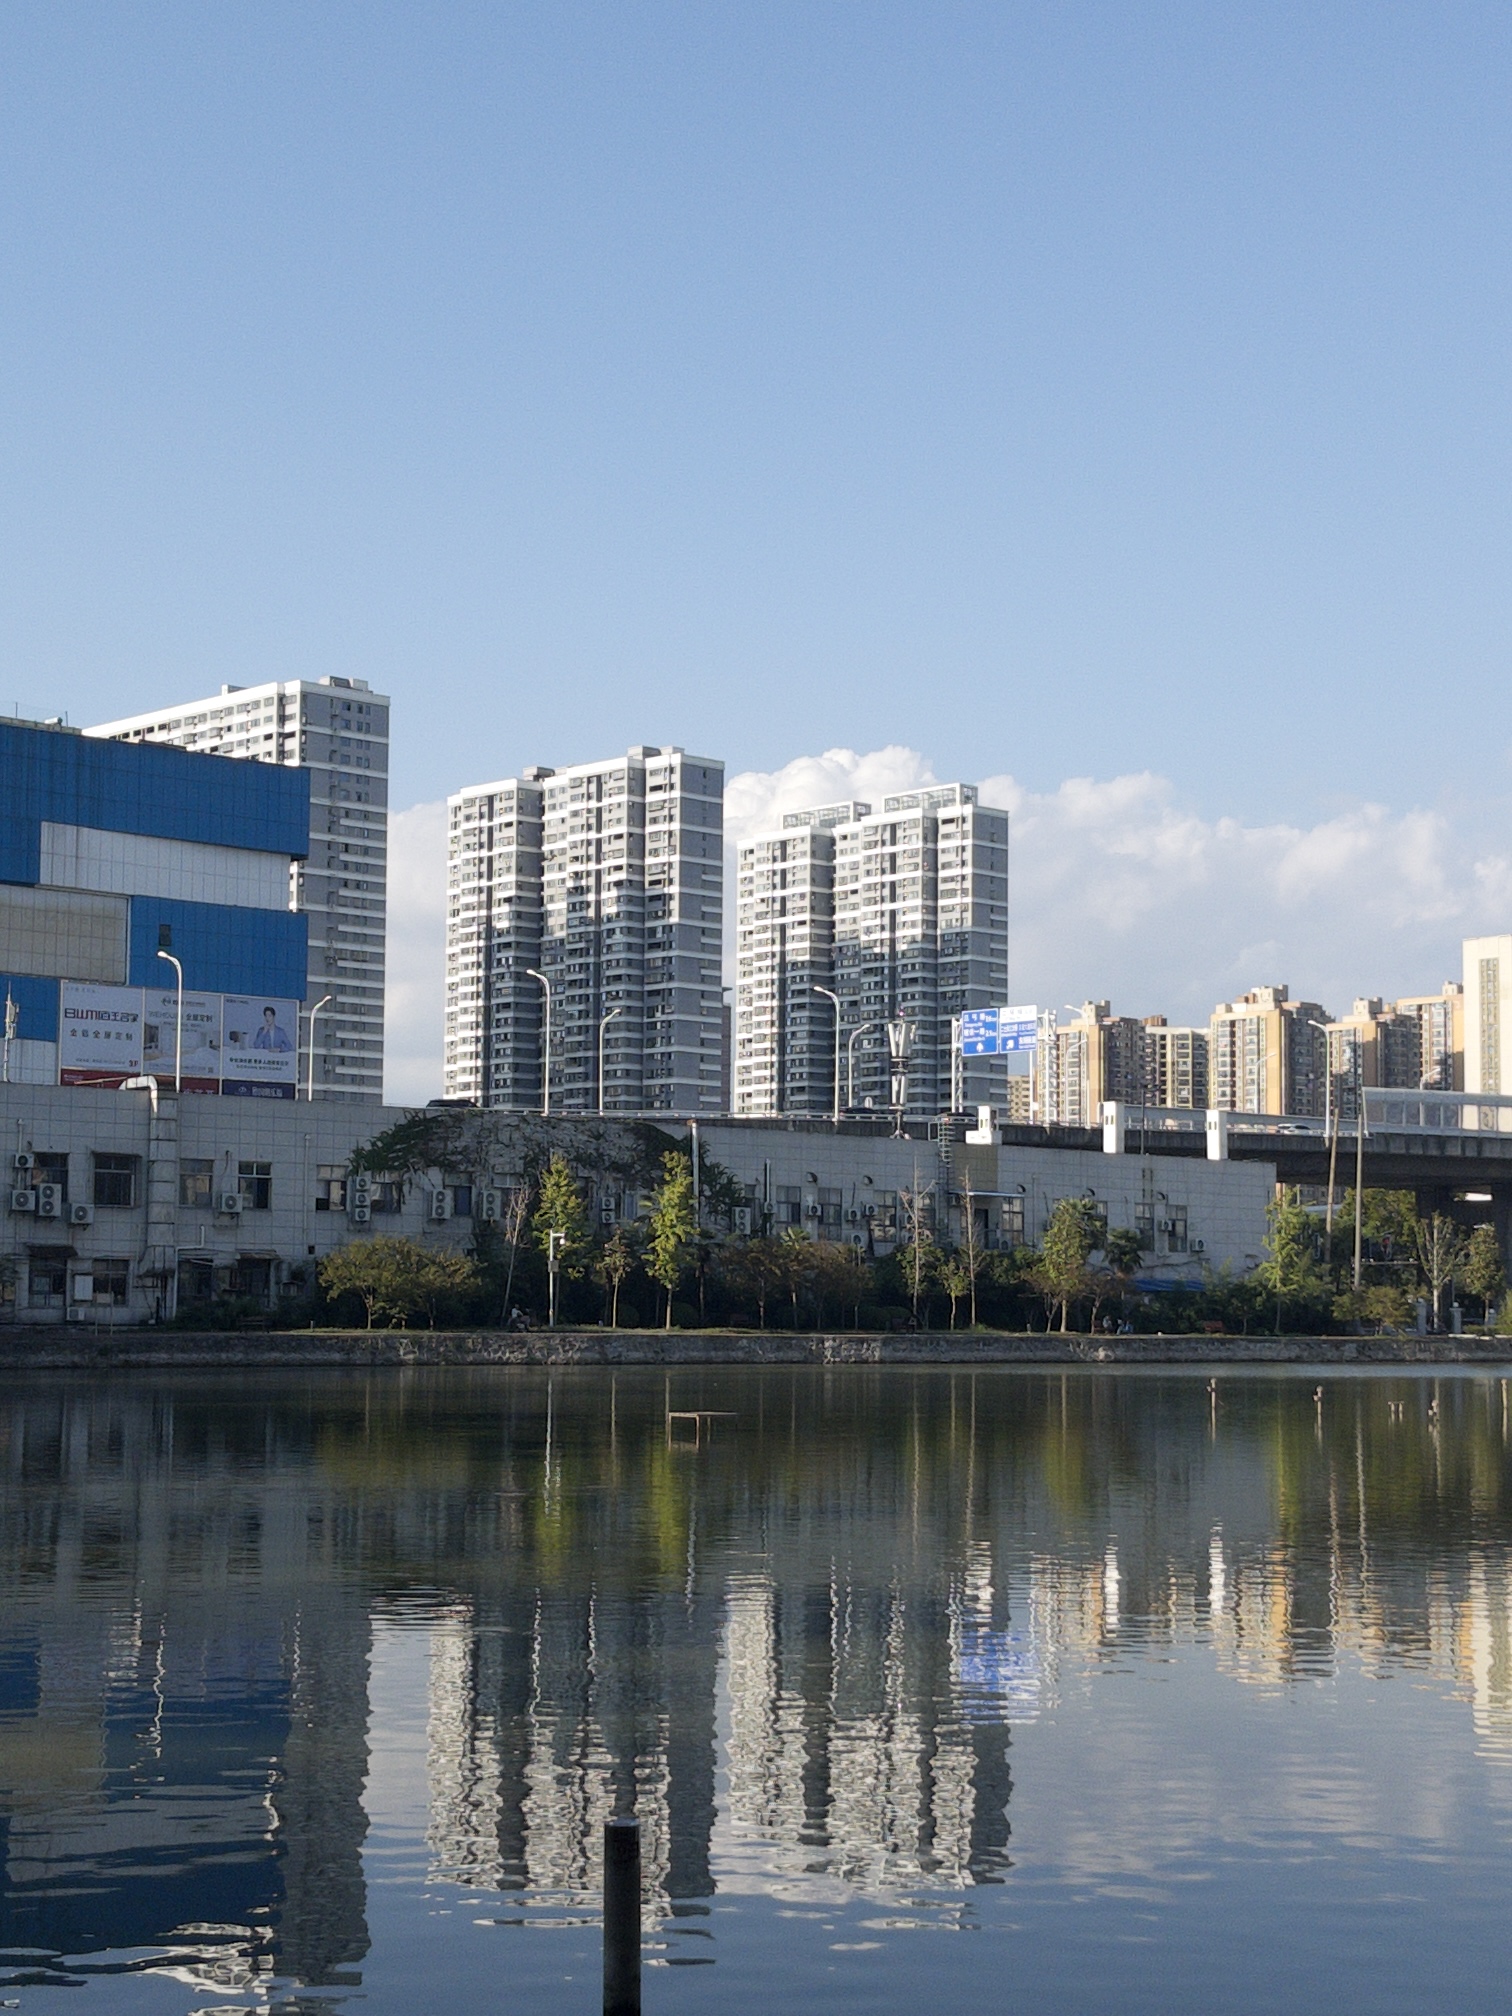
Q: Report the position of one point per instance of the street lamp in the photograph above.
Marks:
(603, 1025)
(1330, 1128)
(178, 1032)
(555, 1241)
(324, 1002)
(532, 974)
(850, 1064)
(830, 995)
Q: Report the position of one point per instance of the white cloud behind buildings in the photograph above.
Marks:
(1119, 891)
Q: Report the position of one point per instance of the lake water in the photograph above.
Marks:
(933, 1690)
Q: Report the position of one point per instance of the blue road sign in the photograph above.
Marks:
(997, 1032)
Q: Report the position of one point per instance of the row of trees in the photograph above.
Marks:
(546, 1252)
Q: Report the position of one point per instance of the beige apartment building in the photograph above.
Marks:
(1269, 1054)
(1413, 1044)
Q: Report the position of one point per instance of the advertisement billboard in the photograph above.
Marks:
(997, 1032)
(99, 1033)
(202, 1038)
(259, 1047)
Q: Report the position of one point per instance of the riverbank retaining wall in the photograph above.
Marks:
(35, 1348)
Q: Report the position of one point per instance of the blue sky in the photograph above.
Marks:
(1055, 391)
(1061, 388)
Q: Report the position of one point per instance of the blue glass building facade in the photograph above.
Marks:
(110, 851)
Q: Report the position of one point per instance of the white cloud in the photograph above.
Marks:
(1119, 891)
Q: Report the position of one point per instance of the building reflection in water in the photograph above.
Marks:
(797, 1650)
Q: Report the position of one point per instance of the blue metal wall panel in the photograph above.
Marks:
(38, 1003)
(223, 949)
(121, 787)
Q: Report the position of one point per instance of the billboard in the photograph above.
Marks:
(997, 1032)
(202, 1038)
(259, 1047)
(99, 1033)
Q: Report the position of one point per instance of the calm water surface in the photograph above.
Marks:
(933, 1690)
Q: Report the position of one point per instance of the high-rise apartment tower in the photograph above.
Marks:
(593, 893)
(337, 730)
(903, 915)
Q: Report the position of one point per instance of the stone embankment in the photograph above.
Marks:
(34, 1348)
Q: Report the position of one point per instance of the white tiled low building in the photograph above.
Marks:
(121, 1206)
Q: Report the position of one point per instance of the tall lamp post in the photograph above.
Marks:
(830, 995)
(324, 1002)
(850, 1063)
(178, 1031)
(545, 1044)
(603, 1025)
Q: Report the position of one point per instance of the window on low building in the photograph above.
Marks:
(1011, 1221)
(255, 1180)
(115, 1182)
(112, 1281)
(388, 1195)
(196, 1282)
(789, 1204)
(196, 1184)
(47, 1280)
(330, 1187)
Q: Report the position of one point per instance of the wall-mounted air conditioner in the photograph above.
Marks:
(24, 1160)
(360, 1213)
(81, 1214)
(230, 1203)
(23, 1200)
(49, 1200)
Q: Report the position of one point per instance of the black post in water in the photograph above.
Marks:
(622, 1918)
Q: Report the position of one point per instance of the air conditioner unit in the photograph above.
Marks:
(440, 1204)
(490, 1206)
(24, 1160)
(811, 1211)
(868, 1211)
(49, 1199)
(1199, 1246)
(742, 1218)
(81, 1214)
(852, 1216)
(360, 1213)
(230, 1203)
(360, 1195)
(23, 1200)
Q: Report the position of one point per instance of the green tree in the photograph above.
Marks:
(613, 1268)
(1483, 1273)
(958, 1279)
(1075, 1232)
(1441, 1250)
(750, 1271)
(674, 1226)
(1290, 1273)
(397, 1278)
(561, 1211)
(795, 1264)
(837, 1270)
(917, 1256)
